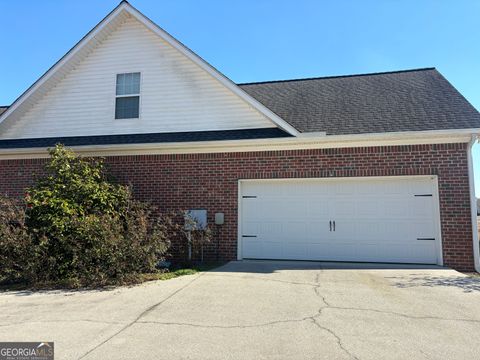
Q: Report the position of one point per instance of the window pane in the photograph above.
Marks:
(127, 107)
(128, 84)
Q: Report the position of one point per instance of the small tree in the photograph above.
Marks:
(87, 230)
(196, 236)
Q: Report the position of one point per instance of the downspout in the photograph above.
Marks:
(473, 204)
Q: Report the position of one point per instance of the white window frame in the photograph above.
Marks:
(127, 95)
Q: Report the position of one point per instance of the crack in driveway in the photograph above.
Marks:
(316, 286)
(263, 279)
(315, 319)
(142, 314)
(206, 326)
(338, 338)
(413, 317)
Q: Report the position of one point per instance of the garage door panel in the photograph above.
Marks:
(341, 207)
(296, 251)
(422, 229)
(317, 208)
(250, 228)
(422, 207)
(270, 229)
(366, 207)
(273, 249)
(391, 188)
(367, 230)
(297, 227)
(252, 249)
(425, 250)
(293, 209)
(375, 220)
(280, 209)
(395, 208)
(318, 231)
(250, 210)
(420, 188)
(343, 189)
(343, 229)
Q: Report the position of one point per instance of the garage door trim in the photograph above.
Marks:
(438, 237)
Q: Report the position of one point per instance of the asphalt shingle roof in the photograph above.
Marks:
(411, 100)
(145, 138)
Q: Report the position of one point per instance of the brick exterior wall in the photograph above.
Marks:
(209, 181)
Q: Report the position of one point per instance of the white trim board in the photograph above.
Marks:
(277, 144)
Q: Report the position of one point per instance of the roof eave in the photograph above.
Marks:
(276, 144)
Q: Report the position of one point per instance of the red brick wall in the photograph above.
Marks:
(210, 181)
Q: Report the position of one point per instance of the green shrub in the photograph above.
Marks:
(15, 241)
(79, 229)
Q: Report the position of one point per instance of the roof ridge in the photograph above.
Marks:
(338, 76)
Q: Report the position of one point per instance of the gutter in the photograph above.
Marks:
(301, 142)
(473, 204)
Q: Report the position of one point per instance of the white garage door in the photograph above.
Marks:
(373, 220)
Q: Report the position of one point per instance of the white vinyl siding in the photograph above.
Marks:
(177, 95)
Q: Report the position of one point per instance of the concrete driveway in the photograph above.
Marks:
(261, 310)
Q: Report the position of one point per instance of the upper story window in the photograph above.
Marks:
(127, 99)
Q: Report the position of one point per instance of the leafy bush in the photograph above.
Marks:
(80, 229)
(15, 241)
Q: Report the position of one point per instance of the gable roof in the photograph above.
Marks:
(399, 101)
(410, 100)
(96, 36)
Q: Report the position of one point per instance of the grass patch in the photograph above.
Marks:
(176, 272)
(131, 280)
(167, 275)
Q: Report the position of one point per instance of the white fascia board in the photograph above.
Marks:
(277, 120)
(277, 144)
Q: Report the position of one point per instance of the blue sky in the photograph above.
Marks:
(254, 40)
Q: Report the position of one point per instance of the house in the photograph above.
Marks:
(373, 167)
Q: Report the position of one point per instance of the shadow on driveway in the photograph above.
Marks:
(271, 266)
(421, 276)
(469, 283)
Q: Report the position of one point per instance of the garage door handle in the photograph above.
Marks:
(330, 225)
(333, 225)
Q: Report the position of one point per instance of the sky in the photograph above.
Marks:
(256, 40)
